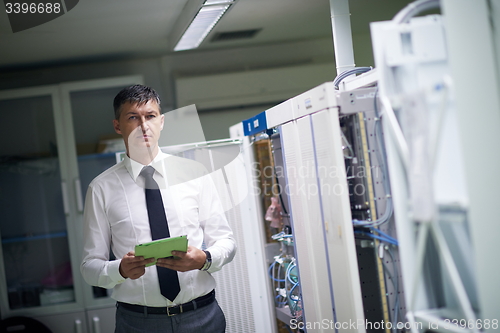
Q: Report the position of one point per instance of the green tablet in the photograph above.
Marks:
(161, 248)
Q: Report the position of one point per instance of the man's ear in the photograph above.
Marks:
(116, 125)
(162, 121)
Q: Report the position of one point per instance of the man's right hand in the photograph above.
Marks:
(133, 267)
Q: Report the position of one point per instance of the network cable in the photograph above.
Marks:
(395, 282)
(271, 273)
(380, 238)
(288, 273)
(343, 75)
(293, 300)
(285, 288)
(381, 157)
(383, 234)
(348, 145)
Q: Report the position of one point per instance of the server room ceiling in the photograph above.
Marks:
(97, 30)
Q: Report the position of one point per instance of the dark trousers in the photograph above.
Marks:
(208, 319)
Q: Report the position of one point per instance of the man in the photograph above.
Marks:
(175, 295)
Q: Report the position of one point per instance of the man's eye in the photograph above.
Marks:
(132, 118)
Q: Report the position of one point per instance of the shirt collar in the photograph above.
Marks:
(134, 168)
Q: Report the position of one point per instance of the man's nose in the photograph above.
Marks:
(144, 124)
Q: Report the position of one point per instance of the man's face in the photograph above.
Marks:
(140, 126)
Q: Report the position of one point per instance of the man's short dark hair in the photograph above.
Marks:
(136, 94)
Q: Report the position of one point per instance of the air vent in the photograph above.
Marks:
(234, 35)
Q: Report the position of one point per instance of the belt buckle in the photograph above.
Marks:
(174, 307)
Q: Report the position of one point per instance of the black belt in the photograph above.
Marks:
(171, 310)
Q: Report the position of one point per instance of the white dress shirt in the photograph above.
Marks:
(116, 218)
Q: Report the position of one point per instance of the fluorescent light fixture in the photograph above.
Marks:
(213, 2)
(204, 21)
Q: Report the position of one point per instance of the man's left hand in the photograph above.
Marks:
(194, 258)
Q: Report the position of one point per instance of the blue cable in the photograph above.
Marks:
(276, 299)
(293, 288)
(288, 273)
(270, 274)
(295, 302)
(383, 239)
(384, 234)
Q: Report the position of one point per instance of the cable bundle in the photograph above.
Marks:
(343, 75)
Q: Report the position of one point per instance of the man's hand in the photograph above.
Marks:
(133, 267)
(194, 258)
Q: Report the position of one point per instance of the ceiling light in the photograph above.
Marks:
(204, 21)
(213, 2)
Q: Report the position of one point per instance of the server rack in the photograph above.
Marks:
(348, 273)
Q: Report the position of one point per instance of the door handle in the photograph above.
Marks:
(95, 324)
(78, 195)
(64, 189)
(78, 326)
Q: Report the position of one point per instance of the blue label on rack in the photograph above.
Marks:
(255, 124)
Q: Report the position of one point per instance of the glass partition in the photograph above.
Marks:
(33, 231)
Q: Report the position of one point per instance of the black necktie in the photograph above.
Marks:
(169, 281)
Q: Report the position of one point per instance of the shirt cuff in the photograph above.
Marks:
(218, 259)
(114, 271)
